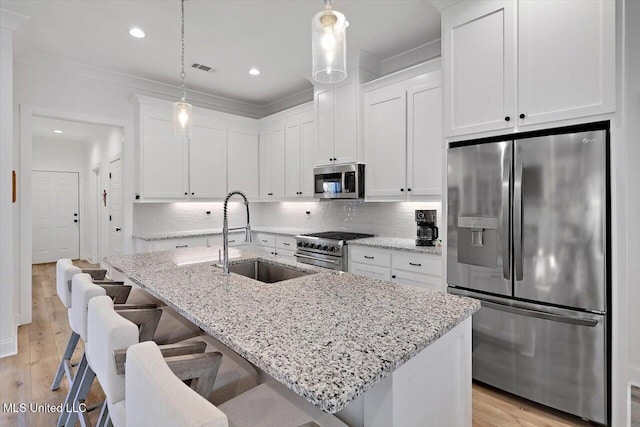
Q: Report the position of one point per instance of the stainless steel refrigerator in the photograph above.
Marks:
(528, 236)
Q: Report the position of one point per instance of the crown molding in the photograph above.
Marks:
(11, 20)
(140, 85)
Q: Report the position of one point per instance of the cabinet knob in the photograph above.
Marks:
(118, 229)
(393, 276)
(193, 194)
(75, 220)
(186, 194)
(522, 115)
(402, 189)
(408, 189)
(507, 118)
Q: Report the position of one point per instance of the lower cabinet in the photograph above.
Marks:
(143, 246)
(408, 268)
(277, 245)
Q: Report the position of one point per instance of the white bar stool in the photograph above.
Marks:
(155, 396)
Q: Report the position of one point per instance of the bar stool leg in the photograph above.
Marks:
(73, 390)
(71, 346)
(81, 395)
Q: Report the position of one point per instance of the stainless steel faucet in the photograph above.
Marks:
(225, 230)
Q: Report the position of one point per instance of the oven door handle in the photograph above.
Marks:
(317, 259)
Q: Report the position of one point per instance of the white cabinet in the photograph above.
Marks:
(339, 120)
(513, 64)
(242, 162)
(566, 59)
(222, 153)
(272, 163)
(277, 245)
(207, 159)
(299, 155)
(164, 160)
(403, 139)
(409, 268)
(143, 246)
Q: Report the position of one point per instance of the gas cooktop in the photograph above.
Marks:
(337, 235)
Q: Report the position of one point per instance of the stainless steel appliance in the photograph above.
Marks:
(327, 249)
(427, 232)
(339, 182)
(528, 235)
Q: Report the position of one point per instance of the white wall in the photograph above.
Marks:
(383, 219)
(106, 146)
(8, 339)
(52, 155)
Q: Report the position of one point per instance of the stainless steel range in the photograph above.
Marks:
(327, 249)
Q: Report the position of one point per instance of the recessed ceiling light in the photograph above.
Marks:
(137, 33)
(254, 71)
(57, 131)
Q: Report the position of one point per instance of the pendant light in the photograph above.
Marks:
(329, 45)
(182, 110)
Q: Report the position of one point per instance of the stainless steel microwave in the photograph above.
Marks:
(339, 181)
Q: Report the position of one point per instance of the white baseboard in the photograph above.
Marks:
(633, 374)
(9, 347)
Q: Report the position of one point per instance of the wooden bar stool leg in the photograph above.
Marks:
(71, 346)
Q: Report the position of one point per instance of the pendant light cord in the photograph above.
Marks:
(328, 4)
(182, 73)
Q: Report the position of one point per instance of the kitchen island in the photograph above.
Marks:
(374, 353)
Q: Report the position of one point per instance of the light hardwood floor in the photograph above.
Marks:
(27, 376)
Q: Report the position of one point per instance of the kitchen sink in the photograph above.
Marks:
(265, 272)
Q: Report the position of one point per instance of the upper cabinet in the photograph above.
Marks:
(339, 120)
(242, 161)
(403, 138)
(518, 63)
(300, 155)
(272, 163)
(288, 154)
(223, 149)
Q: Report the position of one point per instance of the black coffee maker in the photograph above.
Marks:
(427, 231)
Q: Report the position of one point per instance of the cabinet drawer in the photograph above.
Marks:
(235, 239)
(419, 263)
(263, 239)
(424, 281)
(286, 242)
(371, 256)
(172, 244)
(372, 271)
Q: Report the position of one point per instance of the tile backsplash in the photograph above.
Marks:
(393, 219)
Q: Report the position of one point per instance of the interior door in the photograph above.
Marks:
(56, 216)
(559, 255)
(115, 207)
(479, 185)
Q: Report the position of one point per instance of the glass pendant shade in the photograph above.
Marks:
(329, 46)
(182, 119)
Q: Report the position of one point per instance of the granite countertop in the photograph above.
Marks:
(217, 231)
(328, 336)
(396, 243)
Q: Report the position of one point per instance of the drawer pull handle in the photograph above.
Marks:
(287, 244)
(264, 241)
(181, 246)
(368, 257)
(232, 241)
(415, 264)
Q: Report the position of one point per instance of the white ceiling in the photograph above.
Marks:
(229, 35)
(43, 127)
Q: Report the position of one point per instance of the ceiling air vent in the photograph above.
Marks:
(203, 67)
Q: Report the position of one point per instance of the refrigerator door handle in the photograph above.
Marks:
(540, 314)
(506, 186)
(517, 216)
